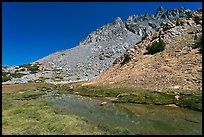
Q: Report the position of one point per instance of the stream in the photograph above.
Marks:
(137, 119)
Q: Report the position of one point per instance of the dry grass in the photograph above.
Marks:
(161, 71)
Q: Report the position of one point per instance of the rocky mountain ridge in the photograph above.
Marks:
(99, 49)
(178, 68)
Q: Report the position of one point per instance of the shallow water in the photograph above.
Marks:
(137, 118)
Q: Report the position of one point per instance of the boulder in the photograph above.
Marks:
(103, 103)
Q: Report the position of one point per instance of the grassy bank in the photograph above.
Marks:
(135, 95)
(24, 111)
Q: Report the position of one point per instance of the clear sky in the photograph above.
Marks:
(32, 30)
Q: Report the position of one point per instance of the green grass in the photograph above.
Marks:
(136, 95)
(188, 101)
(36, 117)
(94, 91)
(147, 98)
(25, 112)
(32, 115)
(27, 95)
(114, 131)
(191, 102)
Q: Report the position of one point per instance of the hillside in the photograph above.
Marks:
(177, 68)
(96, 53)
(142, 76)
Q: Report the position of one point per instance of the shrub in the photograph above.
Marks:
(33, 72)
(25, 65)
(58, 77)
(17, 71)
(30, 81)
(197, 18)
(144, 37)
(17, 75)
(5, 74)
(22, 69)
(156, 47)
(127, 58)
(4, 78)
(78, 78)
(32, 68)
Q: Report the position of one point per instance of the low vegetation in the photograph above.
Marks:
(41, 79)
(136, 95)
(33, 68)
(197, 17)
(126, 59)
(22, 69)
(190, 101)
(144, 37)
(17, 75)
(78, 78)
(24, 111)
(57, 78)
(36, 117)
(6, 76)
(148, 98)
(156, 47)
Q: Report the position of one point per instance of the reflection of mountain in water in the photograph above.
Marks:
(138, 119)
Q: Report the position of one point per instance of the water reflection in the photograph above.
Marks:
(139, 119)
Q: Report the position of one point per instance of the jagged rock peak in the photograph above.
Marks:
(144, 24)
(160, 10)
(118, 20)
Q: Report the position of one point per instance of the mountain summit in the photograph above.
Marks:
(97, 52)
(177, 67)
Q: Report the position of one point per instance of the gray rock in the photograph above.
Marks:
(97, 52)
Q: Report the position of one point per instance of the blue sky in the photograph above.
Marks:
(32, 30)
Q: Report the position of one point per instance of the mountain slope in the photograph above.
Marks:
(177, 68)
(97, 52)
